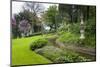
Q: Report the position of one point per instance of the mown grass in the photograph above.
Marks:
(22, 55)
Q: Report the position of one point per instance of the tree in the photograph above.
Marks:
(70, 12)
(50, 15)
(24, 28)
(36, 9)
(25, 14)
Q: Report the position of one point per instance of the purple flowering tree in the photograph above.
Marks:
(24, 28)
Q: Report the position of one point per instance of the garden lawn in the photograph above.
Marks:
(22, 55)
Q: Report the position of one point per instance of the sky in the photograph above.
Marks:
(17, 6)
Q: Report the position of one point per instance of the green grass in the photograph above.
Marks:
(22, 55)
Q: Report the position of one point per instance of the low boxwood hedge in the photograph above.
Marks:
(38, 43)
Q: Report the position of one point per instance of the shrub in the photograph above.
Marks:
(50, 36)
(75, 28)
(50, 52)
(89, 41)
(38, 43)
(90, 33)
(69, 38)
(59, 56)
(61, 32)
(70, 57)
(64, 27)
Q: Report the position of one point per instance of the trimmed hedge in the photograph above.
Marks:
(38, 43)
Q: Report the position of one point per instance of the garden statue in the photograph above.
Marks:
(82, 27)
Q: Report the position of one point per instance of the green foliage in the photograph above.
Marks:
(70, 57)
(92, 11)
(89, 41)
(61, 32)
(38, 43)
(91, 27)
(26, 14)
(60, 56)
(49, 16)
(75, 28)
(50, 13)
(90, 33)
(64, 27)
(50, 52)
(69, 38)
(50, 36)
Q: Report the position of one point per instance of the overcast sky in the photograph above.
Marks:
(17, 6)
